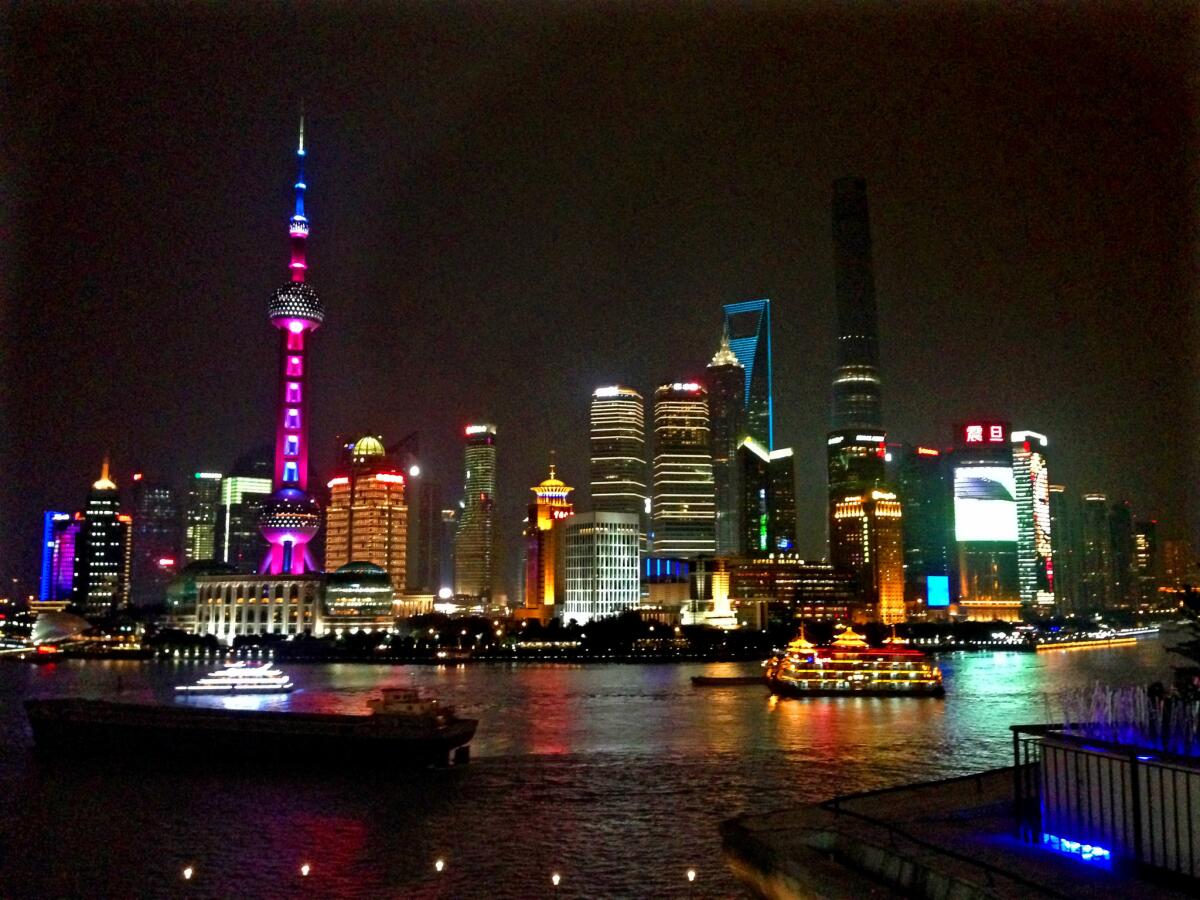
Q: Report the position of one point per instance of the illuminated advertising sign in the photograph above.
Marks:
(985, 504)
(937, 590)
(976, 434)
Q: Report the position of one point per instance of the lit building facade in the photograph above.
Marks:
(925, 496)
(229, 606)
(618, 453)
(768, 503)
(359, 596)
(475, 539)
(60, 535)
(1145, 558)
(601, 561)
(544, 529)
(367, 517)
(104, 558)
(157, 541)
(856, 466)
(869, 536)
(1095, 556)
(796, 589)
(200, 524)
(683, 510)
(1035, 548)
(291, 516)
(726, 382)
(748, 325)
(985, 522)
(239, 541)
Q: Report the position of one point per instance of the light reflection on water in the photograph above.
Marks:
(615, 775)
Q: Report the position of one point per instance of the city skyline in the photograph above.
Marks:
(945, 356)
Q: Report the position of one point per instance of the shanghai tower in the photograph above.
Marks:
(856, 382)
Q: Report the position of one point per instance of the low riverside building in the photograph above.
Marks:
(229, 606)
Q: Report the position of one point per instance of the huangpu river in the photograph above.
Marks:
(613, 776)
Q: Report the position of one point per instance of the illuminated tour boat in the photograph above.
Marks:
(241, 678)
(849, 666)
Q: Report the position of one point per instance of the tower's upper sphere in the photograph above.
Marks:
(296, 300)
(289, 514)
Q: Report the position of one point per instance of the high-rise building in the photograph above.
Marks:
(1145, 559)
(856, 381)
(1095, 558)
(102, 569)
(157, 541)
(1064, 543)
(544, 577)
(291, 516)
(1179, 562)
(243, 493)
(768, 503)
(683, 510)
(985, 522)
(748, 324)
(367, 518)
(856, 467)
(200, 522)
(869, 538)
(446, 538)
(60, 537)
(1035, 550)
(726, 382)
(601, 563)
(925, 496)
(475, 540)
(424, 563)
(1121, 553)
(618, 447)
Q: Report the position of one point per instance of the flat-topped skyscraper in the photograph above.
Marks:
(856, 380)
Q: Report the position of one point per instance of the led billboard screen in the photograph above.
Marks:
(937, 590)
(985, 504)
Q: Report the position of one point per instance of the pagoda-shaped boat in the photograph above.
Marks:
(849, 666)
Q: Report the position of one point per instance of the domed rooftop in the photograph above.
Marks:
(359, 572)
(296, 300)
(366, 447)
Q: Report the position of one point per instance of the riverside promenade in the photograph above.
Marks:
(944, 840)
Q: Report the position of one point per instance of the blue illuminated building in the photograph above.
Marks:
(58, 555)
(749, 327)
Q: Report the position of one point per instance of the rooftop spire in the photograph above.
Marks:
(105, 483)
(724, 355)
(298, 225)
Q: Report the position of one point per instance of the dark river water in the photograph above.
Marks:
(614, 776)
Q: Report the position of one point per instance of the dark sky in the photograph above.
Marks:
(512, 203)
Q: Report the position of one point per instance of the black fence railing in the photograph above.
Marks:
(1108, 803)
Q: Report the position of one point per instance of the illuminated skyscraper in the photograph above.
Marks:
(869, 540)
(60, 536)
(684, 509)
(726, 383)
(1145, 559)
(103, 562)
(367, 518)
(1064, 544)
(243, 493)
(925, 496)
(618, 439)
(157, 541)
(200, 523)
(474, 542)
(748, 325)
(768, 502)
(1095, 559)
(601, 562)
(291, 516)
(1035, 563)
(856, 382)
(544, 529)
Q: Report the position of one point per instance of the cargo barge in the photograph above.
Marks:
(401, 729)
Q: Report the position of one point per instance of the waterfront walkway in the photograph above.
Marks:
(944, 840)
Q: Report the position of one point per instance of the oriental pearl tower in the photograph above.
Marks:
(291, 517)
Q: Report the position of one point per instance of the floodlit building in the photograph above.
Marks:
(869, 535)
(474, 542)
(367, 517)
(200, 524)
(1035, 549)
(767, 516)
(683, 510)
(601, 563)
(359, 596)
(544, 576)
(104, 558)
(618, 453)
(232, 605)
(60, 538)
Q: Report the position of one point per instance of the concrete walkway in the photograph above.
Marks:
(944, 840)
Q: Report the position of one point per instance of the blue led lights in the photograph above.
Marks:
(1087, 852)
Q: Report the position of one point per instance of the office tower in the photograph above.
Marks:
(923, 487)
(1145, 559)
(601, 562)
(157, 541)
(856, 467)
(726, 382)
(795, 590)
(748, 325)
(1064, 544)
(291, 516)
(856, 381)
(446, 536)
(768, 501)
(60, 537)
(985, 522)
(869, 537)
(243, 493)
(1178, 562)
(424, 564)
(475, 541)
(1095, 558)
(102, 570)
(683, 509)
(1035, 563)
(200, 522)
(1121, 553)
(367, 518)
(618, 447)
(544, 577)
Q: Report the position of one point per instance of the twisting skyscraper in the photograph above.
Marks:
(856, 382)
(291, 517)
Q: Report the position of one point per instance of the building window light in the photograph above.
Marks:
(291, 472)
(293, 392)
(291, 445)
(295, 367)
(292, 419)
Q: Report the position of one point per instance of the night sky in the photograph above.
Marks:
(513, 203)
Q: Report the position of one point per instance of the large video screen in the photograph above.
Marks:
(985, 505)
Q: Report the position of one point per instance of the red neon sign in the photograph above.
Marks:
(985, 433)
